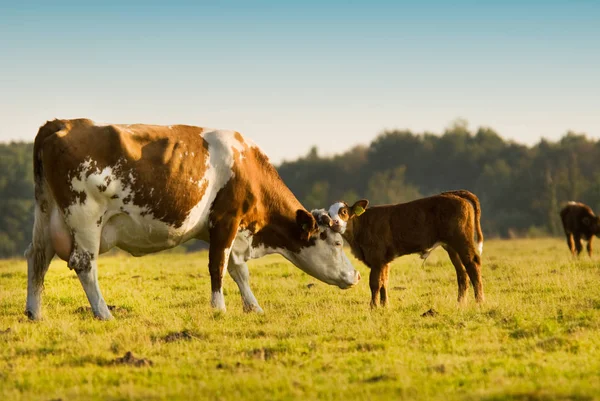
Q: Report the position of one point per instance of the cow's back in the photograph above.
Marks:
(161, 169)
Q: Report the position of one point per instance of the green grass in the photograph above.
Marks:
(535, 338)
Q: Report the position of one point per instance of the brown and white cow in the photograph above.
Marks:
(380, 234)
(579, 222)
(145, 188)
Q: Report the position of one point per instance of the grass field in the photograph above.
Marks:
(536, 337)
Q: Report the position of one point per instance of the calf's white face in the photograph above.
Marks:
(339, 215)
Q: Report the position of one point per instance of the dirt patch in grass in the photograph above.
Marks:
(431, 312)
(379, 378)
(7, 331)
(178, 336)
(130, 360)
(262, 354)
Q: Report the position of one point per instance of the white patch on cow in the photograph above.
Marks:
(241, 249)
(219, 170)
(131, 227)
(480, 248)
(337, 220)
(218, 300)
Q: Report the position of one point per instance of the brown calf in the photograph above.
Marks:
(579, 222)
(380, 234)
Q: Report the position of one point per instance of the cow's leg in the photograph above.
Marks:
(222, 235)
(383, 289)
(589, 246)
(461, 273)
(84, 260)
(578, 244)
(239, 273)
(375, 284)
(39, 254)
(571, 243)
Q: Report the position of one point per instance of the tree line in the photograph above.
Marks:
(521, 188)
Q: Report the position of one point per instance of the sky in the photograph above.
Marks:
(292, 75)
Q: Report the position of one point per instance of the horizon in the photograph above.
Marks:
(332, 75)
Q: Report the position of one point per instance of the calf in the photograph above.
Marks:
(579, 221)
(380, 234)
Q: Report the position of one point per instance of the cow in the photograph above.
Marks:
(380, 234)
(579, 222)
(146, 188)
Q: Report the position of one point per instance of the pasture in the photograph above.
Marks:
(537, 336)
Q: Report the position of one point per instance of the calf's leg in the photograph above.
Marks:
(578, 244)
(589, 246)
(461, 273)
(571, 244)
(383, 289)
(375, 285)
(472, 263)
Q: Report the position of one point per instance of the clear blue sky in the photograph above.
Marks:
(291, 75)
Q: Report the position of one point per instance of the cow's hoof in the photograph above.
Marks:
(253, 309)
(32, 315)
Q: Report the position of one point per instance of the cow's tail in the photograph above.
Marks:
(474, 200)
(45, 131)
(43, 196)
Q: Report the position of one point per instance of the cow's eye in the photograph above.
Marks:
(338, 243)
(344, 212)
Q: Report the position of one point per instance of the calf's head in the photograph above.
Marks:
(341, 213)
(593, 222)
(322, 254)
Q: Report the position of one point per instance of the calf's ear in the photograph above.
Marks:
(359, 207)
(307, 223)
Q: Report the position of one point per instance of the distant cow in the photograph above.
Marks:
(579, 222)
(380, 234)
(145, 188)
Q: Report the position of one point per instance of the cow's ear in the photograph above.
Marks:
(359, 207)
(586, 221)
(307, 223)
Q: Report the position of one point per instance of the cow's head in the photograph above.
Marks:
(341, 213)
(322, 252)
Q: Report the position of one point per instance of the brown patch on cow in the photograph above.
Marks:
(99, 222)
(323, 235)
(115, 196)
(143, 157)
(431, 312)
(130, 360)
(102, 188)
